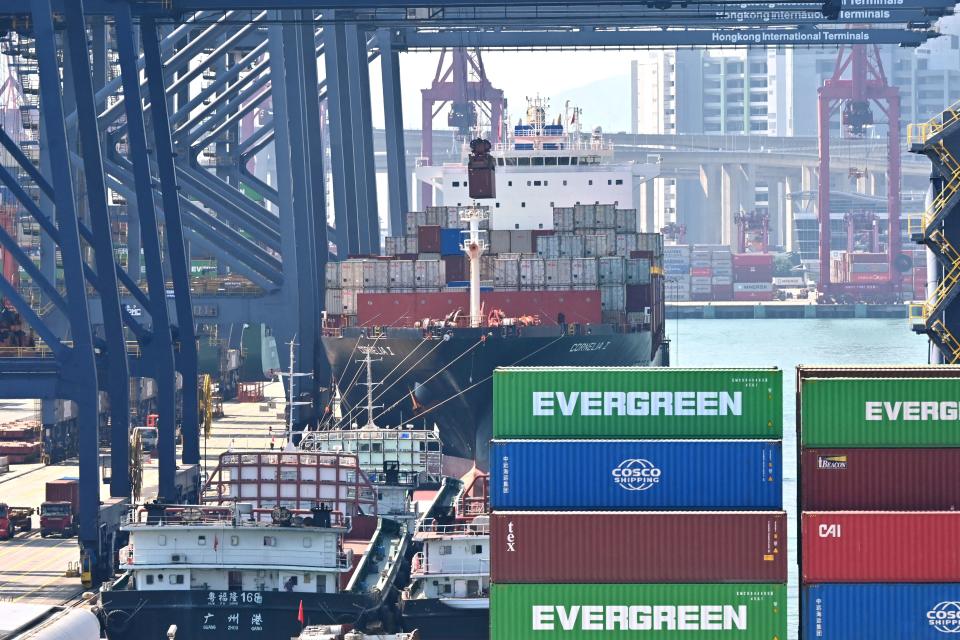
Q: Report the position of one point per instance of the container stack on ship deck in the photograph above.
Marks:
(636, 500)
(879, 489)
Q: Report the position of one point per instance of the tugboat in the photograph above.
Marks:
(449, 593)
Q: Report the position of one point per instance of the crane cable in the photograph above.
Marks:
(438, 372)
(477, 384)
(387, 377)
(395, 382)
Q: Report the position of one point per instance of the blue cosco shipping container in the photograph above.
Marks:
(450, 242)
(636, 474)
(880, 611)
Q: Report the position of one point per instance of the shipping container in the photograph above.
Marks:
(638, 271)
(332, 274)
(880, 479)
(506, 274)
(659, 546)
(611, 270)
(613, 297)
(595, 246)
(586, 611)
(521, 242)
(880, 546)
(450, 242)
(584, 272)
(403, 309)
(880, 611)
(401, 273)
(563, 219)
(333, 301)
(897, 412)
(548, 247)
(456, 268)
(428, 238)
(626, 220)
(637, 402)
(532, 275)
(635, 474)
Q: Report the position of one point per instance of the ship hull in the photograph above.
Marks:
(446, 379)
(437, 620)
(147, 615)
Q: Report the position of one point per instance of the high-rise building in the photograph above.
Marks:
(767, 92)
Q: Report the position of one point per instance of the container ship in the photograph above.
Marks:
(554, 272)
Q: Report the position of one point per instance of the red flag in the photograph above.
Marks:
(300, 613)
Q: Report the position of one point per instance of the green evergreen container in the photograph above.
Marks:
(637, 402)
(880, 412)
(744, 611)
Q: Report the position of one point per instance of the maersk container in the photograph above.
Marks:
(880, 479)
(659, 546)
(637, 402)
(880, 412)
(880, 611)
(880, 546)
(636, 474)
(588, 611)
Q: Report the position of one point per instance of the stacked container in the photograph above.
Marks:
(752, 277)
(631, 500)
(879, 489)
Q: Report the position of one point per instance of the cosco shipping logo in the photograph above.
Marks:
(945, 617)
(636, 474)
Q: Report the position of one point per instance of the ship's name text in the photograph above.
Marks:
(637, 403)
(640, 618)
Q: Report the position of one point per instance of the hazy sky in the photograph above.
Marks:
(555, 74)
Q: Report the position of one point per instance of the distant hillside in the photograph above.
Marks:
(605, 103)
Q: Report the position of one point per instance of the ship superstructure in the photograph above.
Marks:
(542, 164)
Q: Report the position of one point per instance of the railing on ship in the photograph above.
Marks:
(420, 566)
(432, 527)
(438, 331)
(202, 516)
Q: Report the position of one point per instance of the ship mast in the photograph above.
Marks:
(291, 403)
(474, 246)
(370, 384)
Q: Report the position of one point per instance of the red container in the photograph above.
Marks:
(63, 490)
(753, 274)
(722, 292)
(701, 272)
(19, 432)
(456, 268)
(627, 547)
(752, 296)
(753, 260)
(403, 309)
(880, 479)
(868, 277)
(880, 546)
(428, 239)
(18, 452)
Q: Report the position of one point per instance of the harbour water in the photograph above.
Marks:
(786, 344)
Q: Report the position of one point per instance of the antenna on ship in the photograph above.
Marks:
(370, 384)
(291, 403)
(474, 246)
